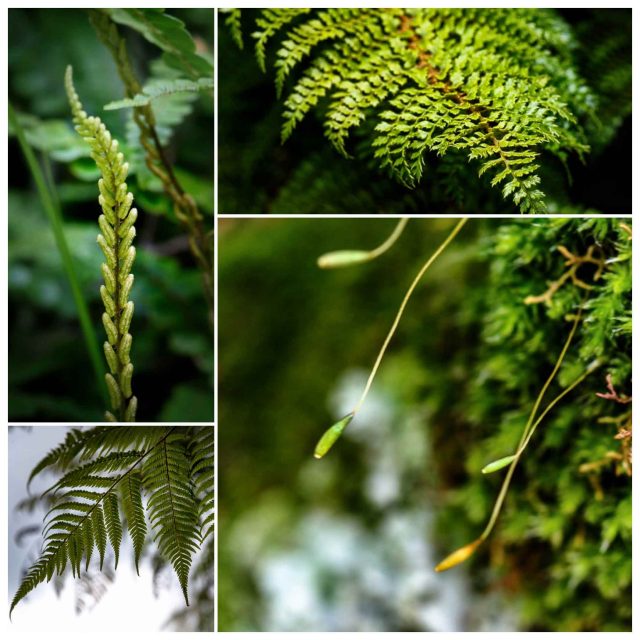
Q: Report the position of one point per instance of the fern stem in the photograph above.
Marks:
(51, 206)
(185, 207)
(403, 304)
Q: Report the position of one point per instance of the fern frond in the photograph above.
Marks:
(125, 470)
(499, 85)
(131, 490)
(161, 90)
(201, 452)
(118, 232)
(172, 507)
(234, 23)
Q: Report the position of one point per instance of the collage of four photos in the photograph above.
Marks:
(319, 320)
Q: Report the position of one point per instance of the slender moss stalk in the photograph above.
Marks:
(460, 555)
(51, 206)
(335, 431)
(115, 240)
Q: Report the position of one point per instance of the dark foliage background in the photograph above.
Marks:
(349, 542)
(50, 375)
(307, 176)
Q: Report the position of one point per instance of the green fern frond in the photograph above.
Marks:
(201, 449)
(171, 504)
(131, 490)
(499, 85)
(234, 23)
(111, 472)
(161, 90)
(115, 240)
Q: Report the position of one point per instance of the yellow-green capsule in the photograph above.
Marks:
(115, 395)
(109, 304)
(458, 556)
(496, 465)
(110, 328)
(125, 380)
(125, 318)
(337, 259)
(112, 358)
(125, 290)
(109, 278)
(130, 411)
(125, 348)
(109, 417)
(331, 435)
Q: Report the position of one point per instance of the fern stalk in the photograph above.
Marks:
(118, 233)
(185, 207)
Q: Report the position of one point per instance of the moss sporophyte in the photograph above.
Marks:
(330, 437)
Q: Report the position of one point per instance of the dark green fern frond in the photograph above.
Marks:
(498, 85)
(172, 507)
(131, 492)
(201, 452)
(113, 471)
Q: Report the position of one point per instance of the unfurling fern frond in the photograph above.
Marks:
(111, 472)
(116, 241)
(498, 85)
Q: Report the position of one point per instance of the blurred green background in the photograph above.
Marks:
(349, 543)
(50, 375)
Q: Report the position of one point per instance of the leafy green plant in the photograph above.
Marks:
(159, 478)
(419, 92)
(454, 393)
(174, 263)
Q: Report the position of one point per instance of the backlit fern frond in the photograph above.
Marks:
(499, 85)
(202, 472)
(165, 473)
(172, 506)
(116, 241)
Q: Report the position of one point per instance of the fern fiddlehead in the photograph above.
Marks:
(116, 241)
(135, 471)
